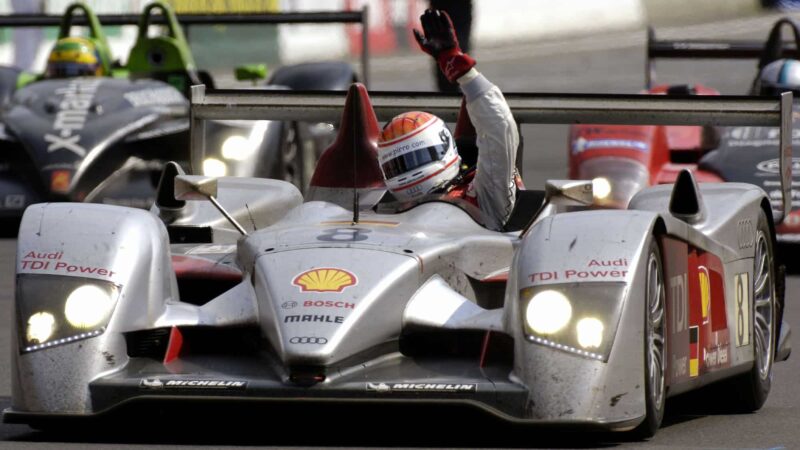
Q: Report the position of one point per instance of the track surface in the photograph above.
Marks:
(611, 63)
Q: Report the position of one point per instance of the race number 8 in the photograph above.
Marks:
(742, 300)
(344, 235)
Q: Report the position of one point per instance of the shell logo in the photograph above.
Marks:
(324, 280)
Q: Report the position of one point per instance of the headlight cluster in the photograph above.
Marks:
(54, 310)
(614, 180)
(579, 319)
(212, 167)
(236, 148)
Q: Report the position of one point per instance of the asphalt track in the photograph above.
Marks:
(612, 63)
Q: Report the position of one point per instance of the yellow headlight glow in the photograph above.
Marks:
(41, 326)
(590, 332)
(548, 312)
(87, 306)
(213, 167)
(601, 188)
(237, 148)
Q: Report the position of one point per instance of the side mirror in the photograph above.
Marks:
(251, 72)
(560, 193)
(198, 187)
(569, 192)
(195, 187)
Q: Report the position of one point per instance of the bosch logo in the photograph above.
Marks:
(289, 305)
(308, 340)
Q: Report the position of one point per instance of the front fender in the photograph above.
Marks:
(585, 253)
(124, 246)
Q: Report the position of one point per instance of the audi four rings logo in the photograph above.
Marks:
(308, 340)
(289, 305)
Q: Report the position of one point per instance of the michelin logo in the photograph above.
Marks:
(421, 387)
(581, 145)
(155, 383)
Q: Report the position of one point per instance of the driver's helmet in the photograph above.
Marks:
(417, 155)
(74, 57)
(779, 76)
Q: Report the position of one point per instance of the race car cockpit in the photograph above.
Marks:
(73, 56)
(351, 162)
(164, 57)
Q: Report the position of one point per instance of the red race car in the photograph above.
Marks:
(623, 159)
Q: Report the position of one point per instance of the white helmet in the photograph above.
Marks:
(779, 76)
(417, 154)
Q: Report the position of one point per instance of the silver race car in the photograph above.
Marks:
(239, 288)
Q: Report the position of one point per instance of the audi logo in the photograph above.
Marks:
(308, 340)
(288, 305)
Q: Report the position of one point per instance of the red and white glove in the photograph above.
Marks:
(440, 41)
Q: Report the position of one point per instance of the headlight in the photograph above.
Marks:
(601, 188)
(239, 148)
(548, 312)
(579, 319)
(590, 332)
(54, 310)
(236, 148)
(40, 327)
(212, 167)
(614, 180)
(87, 306)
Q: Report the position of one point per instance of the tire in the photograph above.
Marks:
(653, 343)
(753, 387)
(298, 156)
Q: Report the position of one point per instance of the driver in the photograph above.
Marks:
(74, 57)
(418, 155)
(779, 76)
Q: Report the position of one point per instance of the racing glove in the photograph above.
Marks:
(440, 42)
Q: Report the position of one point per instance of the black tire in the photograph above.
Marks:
(753, 387)
(653, 343)
(298, 155)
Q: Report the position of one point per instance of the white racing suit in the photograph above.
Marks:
(493, 188)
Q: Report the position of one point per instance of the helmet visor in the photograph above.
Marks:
(409, 161)
(70, 69)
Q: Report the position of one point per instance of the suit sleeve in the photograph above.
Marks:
(497, 140)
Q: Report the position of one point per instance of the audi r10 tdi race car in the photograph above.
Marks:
(240, 289)
(624, 159)
(106, 138)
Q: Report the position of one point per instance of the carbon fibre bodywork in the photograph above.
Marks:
(389, 303)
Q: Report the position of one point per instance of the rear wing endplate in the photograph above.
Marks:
(188, 20)
(307, 106)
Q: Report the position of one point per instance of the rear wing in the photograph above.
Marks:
(188, 20)
(763, 51)
(318, 106)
